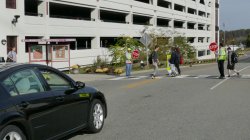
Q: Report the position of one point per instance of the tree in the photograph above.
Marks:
(187, 51)
(248, 41)
(117, 51)
(159, 37)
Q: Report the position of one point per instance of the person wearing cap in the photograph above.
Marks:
(231, 62)
(128, 62)
(221, 59)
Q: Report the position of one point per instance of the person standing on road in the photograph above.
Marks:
(11, 57)
(155, 61)
(172, 62)
(221, 60)
(177, 61)
(128, 62)
(231, 62)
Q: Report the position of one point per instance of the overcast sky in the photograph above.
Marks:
(235, 14)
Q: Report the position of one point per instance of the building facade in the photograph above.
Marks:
(95, 24)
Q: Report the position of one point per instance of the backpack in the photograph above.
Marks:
(150, 61)
(234, 58)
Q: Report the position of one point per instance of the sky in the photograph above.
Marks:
(235, 14)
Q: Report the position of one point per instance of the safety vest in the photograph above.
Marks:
(222, 54)
(167, 64)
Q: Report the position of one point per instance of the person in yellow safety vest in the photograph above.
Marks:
(221, 59)
(168, 64)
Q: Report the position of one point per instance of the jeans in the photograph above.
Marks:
(221, 67)
(155, 68)
(128, 69)
(173, 68)
(177, 65)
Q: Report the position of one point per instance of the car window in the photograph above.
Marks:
(26, 82)
(9, 86)
(55, 81)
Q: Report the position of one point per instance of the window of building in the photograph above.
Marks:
(202, 2)
(179, 24)
(83, 43)
(191, 25)
(208, 39)
(163, 22)
(31, 8)
(191, 39)
(201, 27)
(180, 8)
(200, 39)
(208, 15)
(202, 14)
(192, 11)
(208, 52)
(11, 4)
(208, 28)
(106, 42)
(141, 20)
(165, 4)
(201, 53)
(69, 11)
(110, 16)
(146, 1)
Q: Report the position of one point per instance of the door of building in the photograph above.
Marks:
(11, 43)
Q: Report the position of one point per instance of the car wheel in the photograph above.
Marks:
(12, 132)
(96, 117)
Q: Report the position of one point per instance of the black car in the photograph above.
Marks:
(41, 103)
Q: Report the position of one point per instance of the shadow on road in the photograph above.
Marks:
(79, 133)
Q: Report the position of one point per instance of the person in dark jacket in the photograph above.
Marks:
(155, 61)
(230, 62)
(177, 61)
(172, 61)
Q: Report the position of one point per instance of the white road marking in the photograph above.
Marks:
(181, 76)
(203, 76)
(212, 88)
(117, 78)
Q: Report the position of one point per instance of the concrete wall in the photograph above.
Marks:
(45, 26)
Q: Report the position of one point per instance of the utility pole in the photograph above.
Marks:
(224, 26)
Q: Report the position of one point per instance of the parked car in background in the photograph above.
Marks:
(38, 102)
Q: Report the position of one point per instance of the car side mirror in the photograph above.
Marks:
(80, 84)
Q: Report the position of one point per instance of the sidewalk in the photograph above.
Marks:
(90, 77)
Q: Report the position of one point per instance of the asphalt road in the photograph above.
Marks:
(195, 106)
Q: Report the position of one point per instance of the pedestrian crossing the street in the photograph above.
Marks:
(178, 77)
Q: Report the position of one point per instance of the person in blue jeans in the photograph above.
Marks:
(128, 62)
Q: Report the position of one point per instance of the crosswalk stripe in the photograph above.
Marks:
(177, 77)
(117, 78)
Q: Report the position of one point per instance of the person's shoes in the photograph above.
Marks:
(238, 74)
(221, 77)
(228, 76)
(153, 77)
